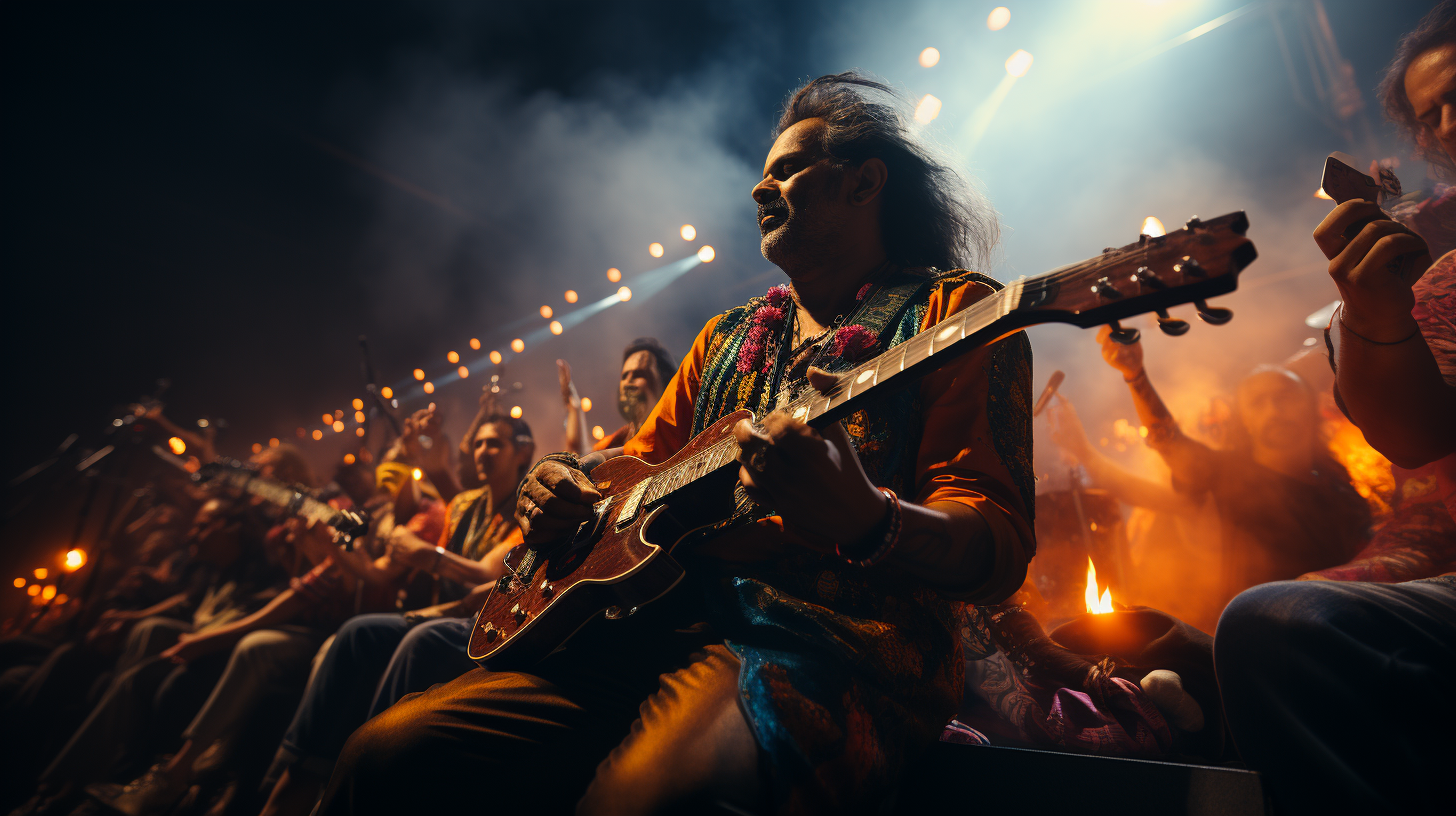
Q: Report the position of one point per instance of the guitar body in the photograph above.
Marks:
(612, 566)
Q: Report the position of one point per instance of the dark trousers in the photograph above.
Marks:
(1344, 694)
(646, 722)
(432, 652)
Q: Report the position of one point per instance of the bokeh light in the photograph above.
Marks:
(177, 445)
(929, 57)
(516, 412)
(33, 590)
(359, 431)
(706, 254)
(1018, 63)
(998, 18)
(570, 295)
(1153, 227)
(19, 582)
(517, 345)
(1320, 193)
(349, 459)
(453, 357)
(688, 232)
(556, 327)
(317, 434)
(359, 416)
(475, 343)
(586, 403)
(273, 442)
(655, 249)
(257, 447)
(463, 371)
(597, 432)
(624, 294)
(614, 274)
(419, 373)
(387, 392)
(48, 593)
(41, 573)
(429, 388)
(328, 419)
(75, 559)
(339, 413)
(927, 110)
(417, 474)
(358, 404)
(546, 312)
(338, 426)
(495, 356)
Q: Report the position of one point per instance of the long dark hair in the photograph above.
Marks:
(1436, 29)
(931, 216)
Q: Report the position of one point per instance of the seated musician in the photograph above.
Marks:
(814, 649)
(646, 369)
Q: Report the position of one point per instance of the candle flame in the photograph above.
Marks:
(1096, 605)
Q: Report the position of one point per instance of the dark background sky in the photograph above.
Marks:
(228, 194)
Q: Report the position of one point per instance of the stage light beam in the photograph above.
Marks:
(1019, 63)
(706, 254)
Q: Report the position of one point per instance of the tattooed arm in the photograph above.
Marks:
(1189, 460)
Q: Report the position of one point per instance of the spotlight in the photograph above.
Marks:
(706, 254)
(655, 249)
(624, 294)
(929, 57)
(1019, 63)
(688, 232)
(927, 110)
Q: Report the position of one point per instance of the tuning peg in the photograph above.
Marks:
(1213, 315)
(1146, 277)
(1171, 326)
(1188, 265)
(1123, 336)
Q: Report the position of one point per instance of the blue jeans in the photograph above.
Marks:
(1343, 694)
(374, 660)
(433, 652)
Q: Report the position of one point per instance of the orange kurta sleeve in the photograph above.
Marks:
(670, 425)
(958, 460)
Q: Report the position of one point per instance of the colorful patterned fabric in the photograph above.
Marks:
(848, 671)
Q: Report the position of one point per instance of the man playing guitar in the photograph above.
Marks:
(814, 648)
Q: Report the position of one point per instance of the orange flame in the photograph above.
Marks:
(1096, 605)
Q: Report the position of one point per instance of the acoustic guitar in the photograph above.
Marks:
(621, 559)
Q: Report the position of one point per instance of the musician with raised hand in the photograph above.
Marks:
(815, 649)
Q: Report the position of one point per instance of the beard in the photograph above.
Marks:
(791, 235)
(632, 404)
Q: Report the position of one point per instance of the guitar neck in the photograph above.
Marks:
(1185, 266)
(277, 493)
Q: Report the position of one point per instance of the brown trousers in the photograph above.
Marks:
(646, 722)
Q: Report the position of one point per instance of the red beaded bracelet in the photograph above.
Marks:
(892, 536)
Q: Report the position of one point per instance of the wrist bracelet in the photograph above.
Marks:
(1346, 327)
(888, 542)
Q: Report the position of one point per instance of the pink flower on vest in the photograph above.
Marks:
(852, 342)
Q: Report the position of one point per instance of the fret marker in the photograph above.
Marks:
(947, 332)
(801, 411)
(865, 375)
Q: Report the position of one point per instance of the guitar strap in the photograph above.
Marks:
(880, 314)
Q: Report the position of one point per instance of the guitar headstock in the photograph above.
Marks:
(1189, 265)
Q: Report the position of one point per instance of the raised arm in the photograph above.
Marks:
(1067, 432)
(1189, 460)
(575, 427)
(1385, 372)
